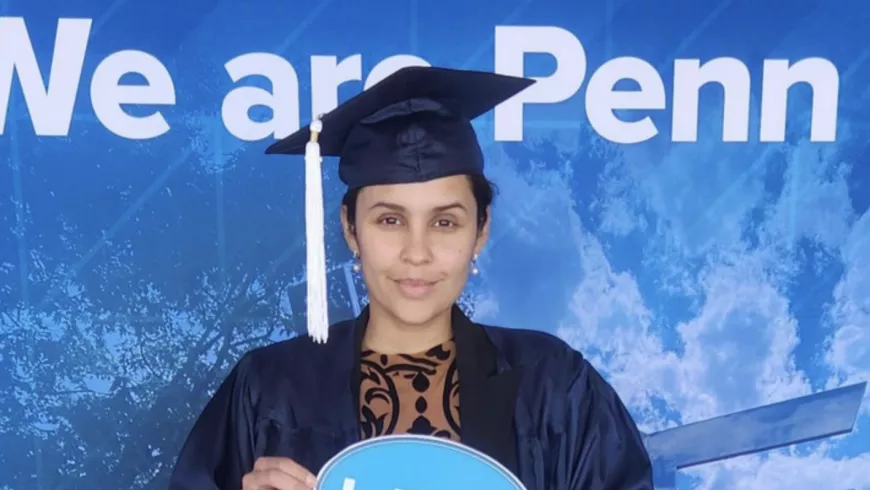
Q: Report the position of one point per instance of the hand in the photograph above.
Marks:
(278, 474)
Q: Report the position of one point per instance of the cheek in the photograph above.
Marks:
(454, 260)
(454, 256)
(379, 251)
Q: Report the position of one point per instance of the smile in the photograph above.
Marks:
(415, 288)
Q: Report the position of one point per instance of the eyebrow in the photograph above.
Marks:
(399, 208)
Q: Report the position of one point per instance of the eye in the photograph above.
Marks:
(445, 223)
(389, 221)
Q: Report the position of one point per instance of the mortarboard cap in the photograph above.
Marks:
(412, 126)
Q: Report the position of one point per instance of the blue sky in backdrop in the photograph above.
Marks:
(701, 279)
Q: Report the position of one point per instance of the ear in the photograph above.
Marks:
(483, 233)
(349, 231)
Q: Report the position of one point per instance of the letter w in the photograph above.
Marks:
(50, 109)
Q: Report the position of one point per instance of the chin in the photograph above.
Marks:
(415, 312)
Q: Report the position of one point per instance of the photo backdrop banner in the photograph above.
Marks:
(683, 197)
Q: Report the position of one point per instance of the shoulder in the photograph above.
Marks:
(533, 349)
(290, 363)
(544, 356)
(553, 370)
(303, 348)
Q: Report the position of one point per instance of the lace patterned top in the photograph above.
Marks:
(410, 393)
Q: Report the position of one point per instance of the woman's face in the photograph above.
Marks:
(415, 244)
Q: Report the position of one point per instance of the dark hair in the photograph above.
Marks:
(484, 191)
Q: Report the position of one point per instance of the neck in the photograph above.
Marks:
(387, 334)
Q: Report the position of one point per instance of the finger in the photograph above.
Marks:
(272, 479)
(288, 466)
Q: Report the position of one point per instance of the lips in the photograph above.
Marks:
(415, 288)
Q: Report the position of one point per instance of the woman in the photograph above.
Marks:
(415, 217)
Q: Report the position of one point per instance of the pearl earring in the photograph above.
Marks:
(474, 270)
(357, 266)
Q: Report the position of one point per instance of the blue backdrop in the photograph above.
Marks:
(706, 249)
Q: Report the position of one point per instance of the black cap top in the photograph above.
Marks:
(413, 126)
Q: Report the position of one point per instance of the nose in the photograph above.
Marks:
(417, 249)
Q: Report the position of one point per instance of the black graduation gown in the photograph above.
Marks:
(526, 399)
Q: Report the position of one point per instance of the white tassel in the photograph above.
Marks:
(318, 321)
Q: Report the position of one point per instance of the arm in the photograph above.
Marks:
(220, 447)
(601, 447)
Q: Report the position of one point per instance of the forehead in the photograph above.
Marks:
(421, 195)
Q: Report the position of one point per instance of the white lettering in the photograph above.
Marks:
(283, 100)
(824, 79)
(690, 76)
(327, 75)
(511, 45)
(391, 65)
(50, 109)
(602, 99)
(513, 42)
(350, 484)
(107, 94)
(50, 103)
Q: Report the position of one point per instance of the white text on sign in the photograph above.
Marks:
(51, 105)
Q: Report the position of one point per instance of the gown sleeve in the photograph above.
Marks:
(219, 449)
(601, 447)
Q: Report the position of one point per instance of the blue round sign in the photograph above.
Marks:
(412, 462)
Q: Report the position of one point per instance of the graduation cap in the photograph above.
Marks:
(412, 126)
